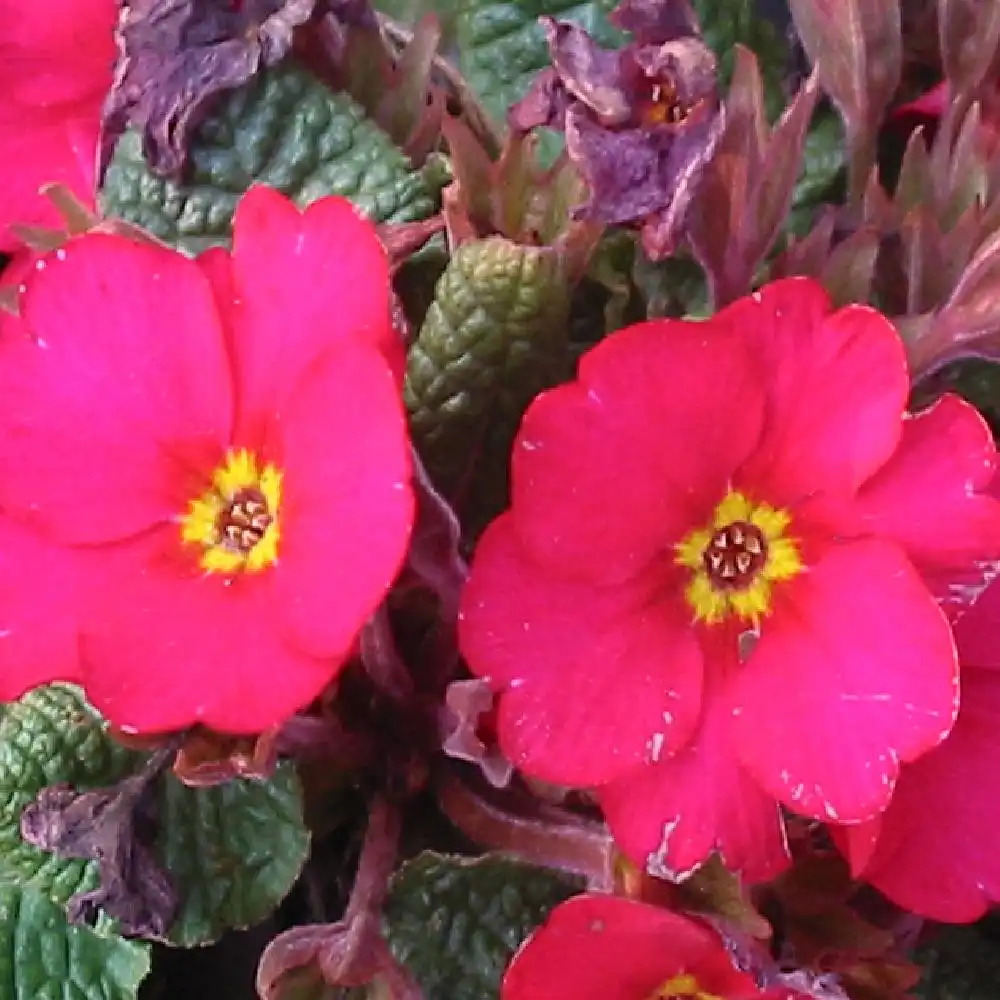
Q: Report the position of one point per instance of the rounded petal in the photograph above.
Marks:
(643, 444)
(347, 503)
(929, 496)
(56, 53)
(593, 680)
(855, 672)
(38, 622)
(608, 948)
(304, 280)
(977, 630)
(38, 149)
(936, 853)
(837, 388)
(119, 404)
(166, 645)
(671, 816)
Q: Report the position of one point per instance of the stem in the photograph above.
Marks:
(478, 118)
(551, 837)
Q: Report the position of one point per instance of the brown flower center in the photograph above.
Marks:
(241, 524)
(661, 105)
(735, 555)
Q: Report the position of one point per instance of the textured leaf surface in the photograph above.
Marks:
(52, 736)
(234, 851)
(42, 957)
(284, 129)
(502, 47)
(456, 922)
(494, 336)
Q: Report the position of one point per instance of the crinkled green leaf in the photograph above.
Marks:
(52, 736)
(455, 922)
(727, 23)
(43, 957)
(961, 963)
(495, 336)
(501, 45)
(284, 129)
(234, 851)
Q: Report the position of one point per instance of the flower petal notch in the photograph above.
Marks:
(753, 476)
(241, 503)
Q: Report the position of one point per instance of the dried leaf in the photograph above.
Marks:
(116, 827)
(175, 56)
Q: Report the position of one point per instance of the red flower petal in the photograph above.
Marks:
(347, 506)
(837, 387)
(977, 631)
(56, 64)
(855, 672)
(936, 854)
(594, 681)
(38, 622)
(55, 53)
(928, 497)
(305, 280)
(167, 645)
(671, 816)
(113, 415)
(928, 106)
(643, 444)
(607, 948)
(38, 149)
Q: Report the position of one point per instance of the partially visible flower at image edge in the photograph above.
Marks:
(933, 850)
(221, 446)
(693, 521)
(56, 64)
(607, 948)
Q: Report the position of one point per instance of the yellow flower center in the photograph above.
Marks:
(737, 559)
(682, 987)
(236, 520)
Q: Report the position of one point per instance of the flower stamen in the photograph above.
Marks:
(737, 559)
(236, 521)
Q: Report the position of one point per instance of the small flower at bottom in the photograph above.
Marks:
(709, 597)
(221, 446)
(933, 851)
(607, 948)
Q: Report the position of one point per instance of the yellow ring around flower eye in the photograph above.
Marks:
(737, 559)
(684, 985)
(235, 521)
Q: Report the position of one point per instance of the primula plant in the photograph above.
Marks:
(499, 501)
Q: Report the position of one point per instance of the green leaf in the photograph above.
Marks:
(502, 46)
(455, 922)
(823, 176)
(727, 23)
(495, 336)
(961, 963)
(52, 736)
(43, 957)
(233, 850)
(284, 129)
